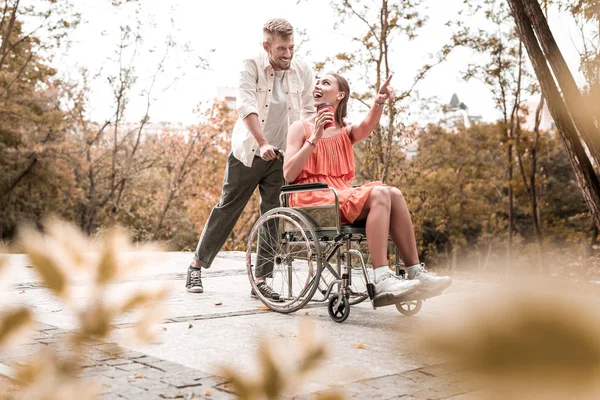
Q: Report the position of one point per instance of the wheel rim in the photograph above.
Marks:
(338, 310)
(289, 244)
(410, 307)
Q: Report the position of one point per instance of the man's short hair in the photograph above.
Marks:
(277, 27)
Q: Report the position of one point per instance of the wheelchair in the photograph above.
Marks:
(316, 259)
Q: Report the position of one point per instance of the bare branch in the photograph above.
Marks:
(11, 23)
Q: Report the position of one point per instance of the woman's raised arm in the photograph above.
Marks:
(363, 130)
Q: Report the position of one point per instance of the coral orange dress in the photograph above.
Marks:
(332, 162)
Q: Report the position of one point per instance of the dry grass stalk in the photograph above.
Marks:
(281, 373)
(56, 255)
(526, 346)
(49, 378)
(12, 323)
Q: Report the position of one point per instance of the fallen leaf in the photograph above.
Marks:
(307, 313)
(207, 393)
(219, 304)
(139, 376)
(191, 326)
(359, 345)
(263, 307)
(29, 266)
(164, 329)
(21, 292)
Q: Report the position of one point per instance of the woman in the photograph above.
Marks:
(316, 154)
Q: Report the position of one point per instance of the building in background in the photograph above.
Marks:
(456, 113)
(546, 121)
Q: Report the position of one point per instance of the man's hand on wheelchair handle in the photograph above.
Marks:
(269, 152)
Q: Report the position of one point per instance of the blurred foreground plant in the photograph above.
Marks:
(281, 371)
(525, 345)
(59, 256)
(12, 320)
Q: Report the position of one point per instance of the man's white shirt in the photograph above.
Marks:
(255, 95)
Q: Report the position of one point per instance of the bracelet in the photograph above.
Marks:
(308, 141)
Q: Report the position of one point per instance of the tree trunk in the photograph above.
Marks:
(593, 241)
(532, 184)
(20, 177)
(576, 106)
(510, 205)
(584, 172)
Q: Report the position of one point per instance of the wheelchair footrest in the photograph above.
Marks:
(387, 300)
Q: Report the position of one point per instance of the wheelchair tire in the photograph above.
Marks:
(293, 249)
(410, 307)
(338, 313)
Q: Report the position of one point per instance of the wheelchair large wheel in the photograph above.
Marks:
(410, 307)
(338, 310)
(284, 240)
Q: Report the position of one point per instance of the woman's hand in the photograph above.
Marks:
(385, 92)
(324, 116)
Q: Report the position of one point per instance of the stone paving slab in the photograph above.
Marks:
(222, 327)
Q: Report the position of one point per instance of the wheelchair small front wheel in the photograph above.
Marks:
(409, 308)
(339, 310)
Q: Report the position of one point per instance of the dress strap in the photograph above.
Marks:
(306, 129)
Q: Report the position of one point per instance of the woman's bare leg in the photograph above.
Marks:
(377, 212)
(401, 228)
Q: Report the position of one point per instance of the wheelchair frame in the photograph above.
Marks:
(298, 243)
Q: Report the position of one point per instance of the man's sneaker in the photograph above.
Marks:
(430, 282)
(266, 291)
(390, 283)
(194, 280)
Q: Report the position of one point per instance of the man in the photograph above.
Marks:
(274, 90)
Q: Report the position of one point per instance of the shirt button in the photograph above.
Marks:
(266, 105)
(286, 93)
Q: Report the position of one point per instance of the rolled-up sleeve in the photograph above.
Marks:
(246, 97)
(308, 80)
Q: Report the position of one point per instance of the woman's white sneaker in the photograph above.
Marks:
(390, 283)
(430, 282)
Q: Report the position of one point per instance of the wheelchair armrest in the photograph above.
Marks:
(304, 187)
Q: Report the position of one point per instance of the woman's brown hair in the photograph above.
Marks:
(342, 109)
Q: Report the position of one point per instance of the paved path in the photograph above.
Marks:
(222, 327)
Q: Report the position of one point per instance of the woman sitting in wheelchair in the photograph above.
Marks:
(319, 154)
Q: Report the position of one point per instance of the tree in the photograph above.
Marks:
(184, 160)
(455, 190)
(110, 156)
(31, 119)
(587, 19)
(504, 73)
(567, 113)
(382, 23)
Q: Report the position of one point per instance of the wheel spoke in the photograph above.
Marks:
(292, 253)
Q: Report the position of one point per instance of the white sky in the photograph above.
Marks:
(233, 29)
